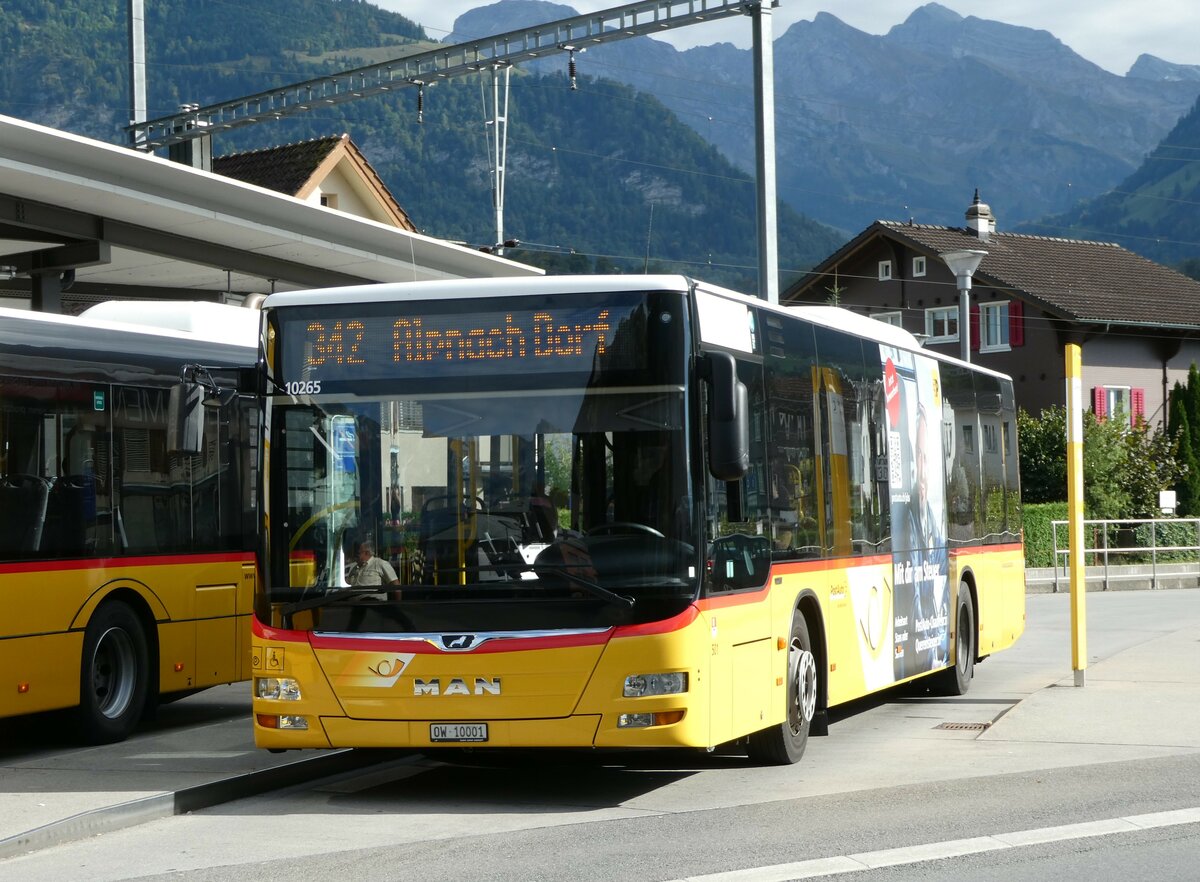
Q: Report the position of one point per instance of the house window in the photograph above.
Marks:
(885, 270)
(968, 438)
(1124, 403)
(889, 318)
(918, 267)
(993, 326)
(329, 200)
(941, 324)
(1116, 402)
(990, 444)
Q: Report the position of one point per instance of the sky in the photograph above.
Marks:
(1110, 33)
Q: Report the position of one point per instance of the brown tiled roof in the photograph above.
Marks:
(1082, 281)
(285, 169)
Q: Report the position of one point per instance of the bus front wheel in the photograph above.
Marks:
(113, 675)
(784, 743)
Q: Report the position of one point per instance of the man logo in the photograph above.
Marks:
(457, 686)
(458, 641)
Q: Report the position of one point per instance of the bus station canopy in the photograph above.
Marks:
(101, 221)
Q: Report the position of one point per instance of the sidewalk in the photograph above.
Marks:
(1147, 695)
(198, 753)
(1141, 697)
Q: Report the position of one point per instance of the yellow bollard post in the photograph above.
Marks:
(1075, 511)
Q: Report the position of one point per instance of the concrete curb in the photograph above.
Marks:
(1140, 577)
(164, 805)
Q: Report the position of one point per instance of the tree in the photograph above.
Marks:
(1105, 459)
(1179, 429)
(1152, 464)
(1124, 467)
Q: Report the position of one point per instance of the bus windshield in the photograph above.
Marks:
(433, 495)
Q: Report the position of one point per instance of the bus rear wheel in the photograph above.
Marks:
(956, 680)
(784, 743)
(113, 674)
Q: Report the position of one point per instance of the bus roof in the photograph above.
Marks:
(455, 288)
(27, 337)
(834, 317)
(202, 320)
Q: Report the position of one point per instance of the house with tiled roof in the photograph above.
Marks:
(329, 171)
(1137, 322)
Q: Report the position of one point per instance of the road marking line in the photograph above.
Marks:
(915, 854)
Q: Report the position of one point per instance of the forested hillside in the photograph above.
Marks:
(600, 177)
(1154, 210)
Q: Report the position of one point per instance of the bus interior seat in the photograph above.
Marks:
(67, 515)
(23, 501)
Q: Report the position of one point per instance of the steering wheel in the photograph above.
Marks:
(623, 527)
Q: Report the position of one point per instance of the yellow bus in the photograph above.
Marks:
(126, 544)
(617, 512)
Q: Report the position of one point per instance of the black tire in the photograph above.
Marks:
(784, 744)
(113, 674)
(956, 680)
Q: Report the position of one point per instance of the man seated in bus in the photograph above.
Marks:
(371, 570)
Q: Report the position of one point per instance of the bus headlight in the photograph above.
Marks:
(638, 685)
(277, 688)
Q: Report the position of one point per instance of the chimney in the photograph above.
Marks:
(980, 219)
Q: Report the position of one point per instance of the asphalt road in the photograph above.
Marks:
(1020, 779)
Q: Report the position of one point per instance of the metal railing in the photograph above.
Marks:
(1116, 560)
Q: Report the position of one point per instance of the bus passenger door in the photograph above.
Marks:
(736, 588)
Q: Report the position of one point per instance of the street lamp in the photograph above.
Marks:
(963, 264)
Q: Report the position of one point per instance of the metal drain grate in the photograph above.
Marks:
(963, 727)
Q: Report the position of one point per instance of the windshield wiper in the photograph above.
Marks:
(591, 587)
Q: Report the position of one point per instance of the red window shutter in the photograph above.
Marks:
(974, 320)
(1016, 323)
(1137, 403)
(1099, 400)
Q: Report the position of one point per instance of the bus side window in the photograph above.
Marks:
(738, 561)
(791, 465)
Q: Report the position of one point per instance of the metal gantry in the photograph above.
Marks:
(493, 54)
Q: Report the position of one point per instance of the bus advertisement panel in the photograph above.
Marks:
(620, 512)
(919, 553)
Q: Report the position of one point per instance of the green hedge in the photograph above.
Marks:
(1039, 541)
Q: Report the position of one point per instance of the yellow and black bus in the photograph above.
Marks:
(617, 511)
(126, 542)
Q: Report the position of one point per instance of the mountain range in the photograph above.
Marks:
(649, 164)
(909, 123)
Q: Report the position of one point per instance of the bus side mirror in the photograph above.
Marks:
(185, 419)
(728, 419)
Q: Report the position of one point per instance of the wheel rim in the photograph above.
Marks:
(114, 672)
(804, 678)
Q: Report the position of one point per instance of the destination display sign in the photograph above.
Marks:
(402, 340)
